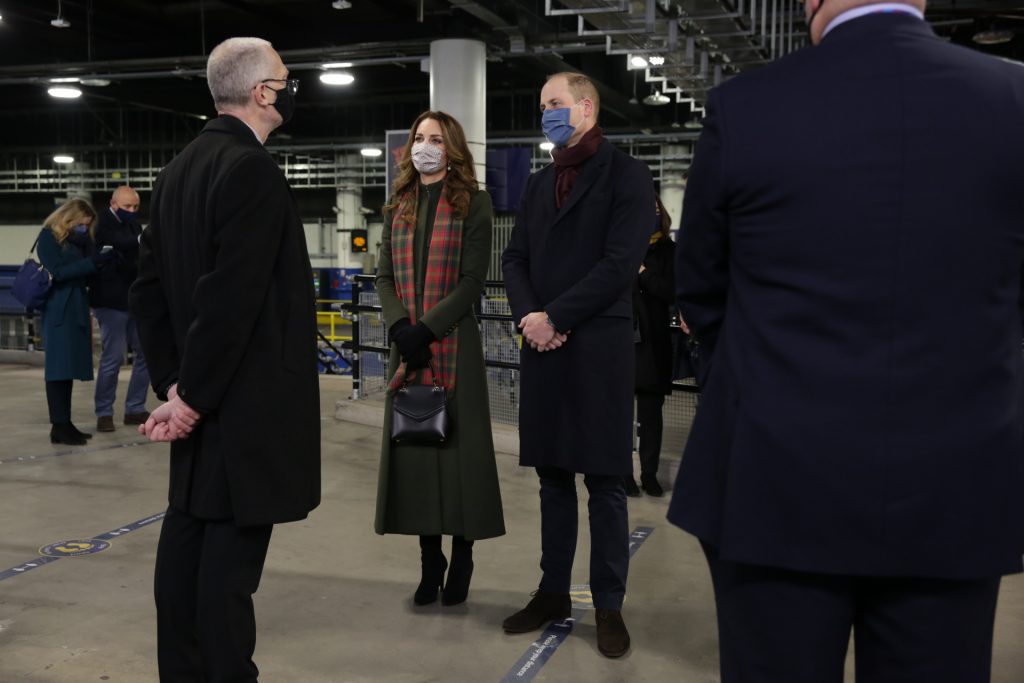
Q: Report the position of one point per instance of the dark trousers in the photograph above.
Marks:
(782, 626)
(648, 415)
(58, 400)
(609, 534)
(206, 574)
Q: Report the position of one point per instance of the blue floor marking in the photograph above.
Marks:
(543, 648)
(41, 560)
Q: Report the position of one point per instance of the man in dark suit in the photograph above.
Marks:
(581, 232)
(118, 229)
(225, 308)
(850, 261)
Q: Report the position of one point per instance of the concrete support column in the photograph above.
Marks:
(458, 86)
(673, 186)
(348, 204)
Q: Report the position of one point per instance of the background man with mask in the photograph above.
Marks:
(118, 228)
(224, 304)
(850, 256)
(581, 232)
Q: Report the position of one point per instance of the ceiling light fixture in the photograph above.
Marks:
(69, 79)
(637, 62)
(336, 65)
(65, 92)
(656, 60)
(341, 4)
(370, 152)
(993, 37)
(656, 99)
(64, 159)
(97, 82)
(337, 78)
(60, 21)
(693, 124)
(547, 146)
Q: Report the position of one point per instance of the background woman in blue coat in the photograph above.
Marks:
(65, 250)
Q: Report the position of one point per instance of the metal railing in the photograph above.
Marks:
(368, 350)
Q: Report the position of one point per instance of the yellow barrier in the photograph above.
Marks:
(332, 320)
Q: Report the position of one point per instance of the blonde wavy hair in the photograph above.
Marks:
(67, 216)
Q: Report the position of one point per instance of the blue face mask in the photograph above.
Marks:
(556, 126)
(81, 228)
(125, 216)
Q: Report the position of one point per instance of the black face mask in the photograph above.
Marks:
(284, 104)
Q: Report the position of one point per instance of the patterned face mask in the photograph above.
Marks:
(427, 158)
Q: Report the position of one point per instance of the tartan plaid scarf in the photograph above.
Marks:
(443, 260)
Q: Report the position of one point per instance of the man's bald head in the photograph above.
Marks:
(125, 198)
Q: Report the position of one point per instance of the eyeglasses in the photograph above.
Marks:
(291, 84)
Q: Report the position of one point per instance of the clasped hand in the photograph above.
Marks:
(539, 333)
(171, 421)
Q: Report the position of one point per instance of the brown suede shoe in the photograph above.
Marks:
(105, 423)
(542, 609)
(612, 636)
(135, 418)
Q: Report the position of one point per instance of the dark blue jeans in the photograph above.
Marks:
(609, 534)
(117, 329)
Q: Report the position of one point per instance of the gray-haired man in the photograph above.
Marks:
(224, 305)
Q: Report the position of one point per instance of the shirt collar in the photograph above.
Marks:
(864, 10)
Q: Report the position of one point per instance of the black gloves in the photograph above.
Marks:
(413, 343)
(102, 258)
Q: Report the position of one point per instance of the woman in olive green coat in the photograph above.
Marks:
(433, 262)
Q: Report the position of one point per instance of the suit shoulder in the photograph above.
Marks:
(627, 166)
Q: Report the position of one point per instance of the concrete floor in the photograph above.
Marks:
(335, 603)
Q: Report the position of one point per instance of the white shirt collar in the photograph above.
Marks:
(864, 10)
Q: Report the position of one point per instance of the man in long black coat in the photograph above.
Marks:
(850, 261)
(580, 235)
(225, 308)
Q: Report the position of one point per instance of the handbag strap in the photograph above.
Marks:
(433, 376)
(34, 244)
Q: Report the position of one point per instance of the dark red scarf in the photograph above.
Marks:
(569, 161)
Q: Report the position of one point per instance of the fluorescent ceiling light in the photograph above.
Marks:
(370, 152)
(98, 82)
(341, 4)
(64, 159)
(60, 22)
(336, 65)
(65, 92)
(656, 60)
(337, 78)
(69, 79)
(637, 61)
(547, 146)
(993, 37)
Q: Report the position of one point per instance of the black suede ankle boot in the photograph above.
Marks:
(456, 587)
(433, 566)
(84, 435)
(66, 434)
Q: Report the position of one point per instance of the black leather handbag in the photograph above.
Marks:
(420, 414)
